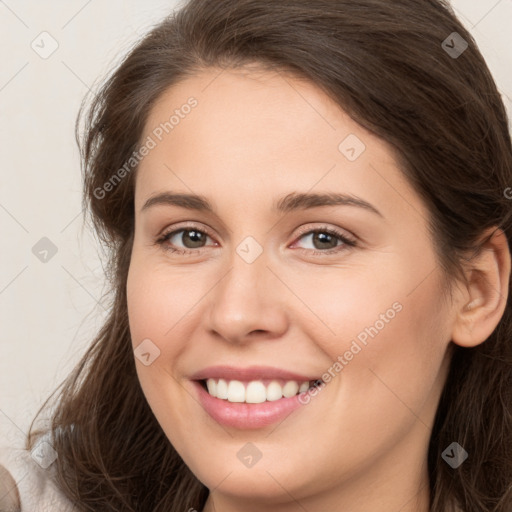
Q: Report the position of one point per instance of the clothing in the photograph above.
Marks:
(32, 472)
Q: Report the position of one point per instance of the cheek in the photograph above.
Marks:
(161, 301)
(391, 336)
(159, 307)
(384, 330)
(348, 307)
(392, 339)
(383, 312)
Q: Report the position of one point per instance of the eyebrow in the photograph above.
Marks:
(291, 202)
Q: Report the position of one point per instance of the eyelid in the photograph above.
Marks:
(184, 225)
(347, 239)
(308, 228)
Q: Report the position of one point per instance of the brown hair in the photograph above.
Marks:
(383, 62)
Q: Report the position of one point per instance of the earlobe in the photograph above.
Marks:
(482, 305)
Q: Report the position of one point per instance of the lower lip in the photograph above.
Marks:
(242, 415)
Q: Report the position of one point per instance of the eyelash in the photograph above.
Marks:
(347, 242)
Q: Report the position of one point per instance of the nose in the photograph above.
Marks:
(248, 303)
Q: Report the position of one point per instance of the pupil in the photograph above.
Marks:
(191, 235)
(324, 238)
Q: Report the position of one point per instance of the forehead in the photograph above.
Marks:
(246, 109)
(259, 131)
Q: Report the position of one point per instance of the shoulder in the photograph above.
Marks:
(9, 495)
(26, 483)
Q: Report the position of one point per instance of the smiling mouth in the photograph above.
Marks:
(255, 391)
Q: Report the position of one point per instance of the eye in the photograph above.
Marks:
(325, 240)
(191, 237)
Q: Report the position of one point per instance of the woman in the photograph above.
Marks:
(307, 211)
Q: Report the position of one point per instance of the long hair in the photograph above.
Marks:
(384, 62)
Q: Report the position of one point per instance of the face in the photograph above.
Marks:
(267, 291)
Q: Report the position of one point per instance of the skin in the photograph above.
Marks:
(361, 443)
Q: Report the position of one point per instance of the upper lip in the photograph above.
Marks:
(248, 373)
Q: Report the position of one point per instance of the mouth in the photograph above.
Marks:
(255, 391)
(253, 397)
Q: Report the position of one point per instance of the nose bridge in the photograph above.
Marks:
(246, 298)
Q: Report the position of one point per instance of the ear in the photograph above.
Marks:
(485, 295)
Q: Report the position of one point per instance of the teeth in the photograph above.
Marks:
(236, 391)
(304, 387)
(222, 389)
(254, 392)
(290, 389)
(212, 387)
(274, 391)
